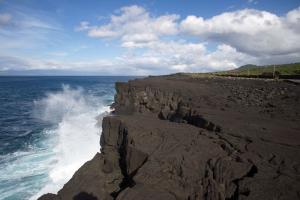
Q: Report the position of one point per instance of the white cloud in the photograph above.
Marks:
(163, 44)
(241, 37)
(250, 31)
(103, 31)
(170, 57)
(159, 58)
(25, 63)
(226, 57)
(91, 67)
(293, 19)
(134, 26)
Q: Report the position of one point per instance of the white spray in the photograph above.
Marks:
(76, 134)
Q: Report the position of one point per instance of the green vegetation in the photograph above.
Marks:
(290, 71)
(253, 70)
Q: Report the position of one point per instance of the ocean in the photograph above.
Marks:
(49, 127)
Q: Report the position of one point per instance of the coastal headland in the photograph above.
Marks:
(188, 137)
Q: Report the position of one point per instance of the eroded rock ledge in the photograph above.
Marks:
(177, 137)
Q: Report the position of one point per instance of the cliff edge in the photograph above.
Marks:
(178, 137)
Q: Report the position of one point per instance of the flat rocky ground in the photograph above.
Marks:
(179, 137)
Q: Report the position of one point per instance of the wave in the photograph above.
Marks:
(76, 134)
(22, 171)
(56, 152)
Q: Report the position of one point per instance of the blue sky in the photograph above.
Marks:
(145, 37)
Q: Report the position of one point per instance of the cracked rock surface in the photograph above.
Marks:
(177, 137)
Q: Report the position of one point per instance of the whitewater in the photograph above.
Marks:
(77, 134)
(69, 120)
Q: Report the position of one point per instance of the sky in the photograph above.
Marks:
(97, 37)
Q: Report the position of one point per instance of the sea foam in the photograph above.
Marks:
(75, 134)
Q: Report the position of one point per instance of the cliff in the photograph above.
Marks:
(178, 137)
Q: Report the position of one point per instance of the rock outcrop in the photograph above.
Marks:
(178, 137)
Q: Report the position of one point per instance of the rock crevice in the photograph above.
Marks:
(177, 137)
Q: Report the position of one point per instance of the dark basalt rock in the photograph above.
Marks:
(176, 137)
(49, 197)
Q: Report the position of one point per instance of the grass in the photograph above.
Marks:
(252, 70)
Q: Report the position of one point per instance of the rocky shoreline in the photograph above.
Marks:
(179, 137)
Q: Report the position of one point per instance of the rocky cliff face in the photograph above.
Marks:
(178, 137)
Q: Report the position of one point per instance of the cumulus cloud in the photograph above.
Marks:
(192, 57)
(159, 58)
(241, 37)
(179, 56)
(166, 43)
(134, 26)
(250, 31)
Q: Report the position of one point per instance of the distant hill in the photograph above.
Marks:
(253, 70)
(249, 66)
(283, 71)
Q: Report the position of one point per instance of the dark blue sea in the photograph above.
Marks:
(49, 127)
